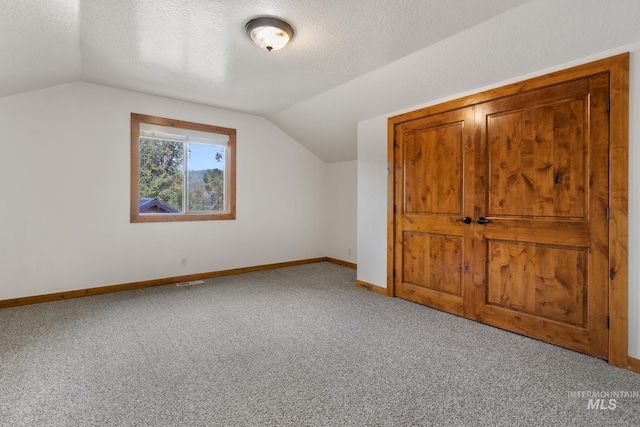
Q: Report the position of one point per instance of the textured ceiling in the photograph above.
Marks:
(197, 50)
(39, 44)
(349, 59)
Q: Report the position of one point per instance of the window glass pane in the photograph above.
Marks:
(181, 171)
(161, 176)
(205, 182)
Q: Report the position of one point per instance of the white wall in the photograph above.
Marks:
(372, 201)
(64, 180)
(372, 146)
(341, 204)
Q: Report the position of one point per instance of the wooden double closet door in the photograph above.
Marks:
(501, 211)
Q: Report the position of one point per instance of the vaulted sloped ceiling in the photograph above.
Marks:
(349, 59)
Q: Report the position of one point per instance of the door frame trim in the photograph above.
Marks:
(618, 69)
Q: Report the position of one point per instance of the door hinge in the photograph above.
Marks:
(608, 213)
(394, 208)
(608, 322)
(609, 105)
(393, 272)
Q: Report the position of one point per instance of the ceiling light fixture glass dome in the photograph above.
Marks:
(269, 33)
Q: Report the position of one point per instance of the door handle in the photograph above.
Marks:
(482, 220)
(466, 220)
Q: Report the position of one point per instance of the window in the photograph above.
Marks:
(181, 171)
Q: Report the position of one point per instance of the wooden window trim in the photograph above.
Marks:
(136, 217)
(618, 69)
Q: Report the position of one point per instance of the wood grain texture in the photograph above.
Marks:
(37, 299)
(618, 64)
(342, 263)
(550, 167)
(619, 204)
(433, 172)
(392, 149)
(543, 329)
(433, 262)
(371, 287)
(547, 129)
(538, 160)
(433, 192)
(541, 280)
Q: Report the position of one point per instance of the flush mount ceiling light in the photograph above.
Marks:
(269, 33)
